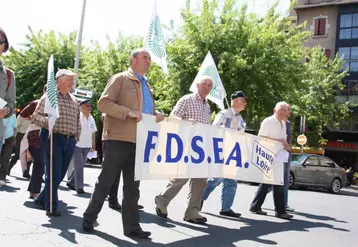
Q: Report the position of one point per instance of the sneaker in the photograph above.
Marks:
(198, 220)
(2, 182)
(288, 209)
(259, 211)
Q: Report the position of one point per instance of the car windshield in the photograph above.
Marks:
(298, 158)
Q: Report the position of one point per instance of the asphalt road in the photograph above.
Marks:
(321, 219)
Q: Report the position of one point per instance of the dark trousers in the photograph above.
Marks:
(63, 148)
(5, 157)
(16, 156)
(278, 198)
(37, 170)
(119, 157)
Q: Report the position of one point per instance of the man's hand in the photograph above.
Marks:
(286, 145)
(136, 115)
(159, 117)
(4, 111)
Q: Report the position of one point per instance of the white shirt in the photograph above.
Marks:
(88, 127)
(230, 119)
(274, 128)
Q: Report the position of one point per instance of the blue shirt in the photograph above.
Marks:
(9, 126)
(147, 100)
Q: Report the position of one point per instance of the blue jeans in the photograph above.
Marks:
(227, 194)
(63, 148)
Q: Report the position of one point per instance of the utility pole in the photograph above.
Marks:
(79, 41)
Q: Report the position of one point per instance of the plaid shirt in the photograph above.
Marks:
(192, 106)
(68, 122)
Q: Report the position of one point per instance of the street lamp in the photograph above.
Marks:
(79, 40)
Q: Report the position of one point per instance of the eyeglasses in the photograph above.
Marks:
(2, 41)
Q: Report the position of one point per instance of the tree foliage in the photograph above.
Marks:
(262, 56)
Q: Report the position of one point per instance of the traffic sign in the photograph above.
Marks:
(301, 139)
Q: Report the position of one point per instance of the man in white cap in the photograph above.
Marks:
(66, 132)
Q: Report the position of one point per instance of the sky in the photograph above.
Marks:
(102, 17)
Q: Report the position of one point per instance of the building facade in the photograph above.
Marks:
(334, 27)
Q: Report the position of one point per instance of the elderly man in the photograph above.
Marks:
(85, 144)
(66, 131)
(273, 128)
(193, 107)
(126, 97)
(230, 118)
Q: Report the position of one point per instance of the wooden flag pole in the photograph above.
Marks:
(51, 154)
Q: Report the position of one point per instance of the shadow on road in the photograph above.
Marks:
(8, 188)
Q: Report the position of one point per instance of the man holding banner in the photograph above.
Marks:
(126, 97)
(230, 118)
(65, 131)
(193, 107)
(274, 128)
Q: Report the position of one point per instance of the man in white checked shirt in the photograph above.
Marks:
(230, 118)
(193, 107)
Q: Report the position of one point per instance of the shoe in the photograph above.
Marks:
(115, 206)
(70, 186)
(54, 213)
(230, 213)
(260, 212)
(284, 216)
(26, 174)
(138, 234)
(199, 220)
(161, 211)
(140, 207)
(288, 209)
(2, 182)
(201, 205)
(80, 191)
(87, 226)
(40, 203)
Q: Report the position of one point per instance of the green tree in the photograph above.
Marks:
(30, 62)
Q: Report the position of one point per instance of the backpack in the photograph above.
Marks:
(8, 72)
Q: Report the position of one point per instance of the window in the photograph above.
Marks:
(312, 161)
(320, 26)
(326, 162)
(348, 28)
(350, 57)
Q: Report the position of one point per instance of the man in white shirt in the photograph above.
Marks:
(230, 118)
(274, 128)
(85, 144)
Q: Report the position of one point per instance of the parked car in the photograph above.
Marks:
(311, 170)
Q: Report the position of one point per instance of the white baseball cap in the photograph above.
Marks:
(62, 72)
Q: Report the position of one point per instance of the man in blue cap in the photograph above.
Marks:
(230, 118)
(85, 144)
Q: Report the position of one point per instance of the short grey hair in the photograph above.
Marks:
(203, 78)
(281, 104)
(135, 52)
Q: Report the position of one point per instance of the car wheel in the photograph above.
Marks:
(291, 180)
(336, 186)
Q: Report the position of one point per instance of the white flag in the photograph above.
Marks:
(51, 104)
(154, 41)
(208, 68)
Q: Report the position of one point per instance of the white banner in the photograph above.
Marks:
(180, 149)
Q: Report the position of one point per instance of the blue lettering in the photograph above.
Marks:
(235, 155)
(168, 148)
(149, 144)
(218, 150)
(258, 149)
(197, 149)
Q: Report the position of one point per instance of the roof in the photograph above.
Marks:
(326, 3)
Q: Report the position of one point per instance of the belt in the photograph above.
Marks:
(67, 135)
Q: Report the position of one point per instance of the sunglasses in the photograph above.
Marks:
(2, 41)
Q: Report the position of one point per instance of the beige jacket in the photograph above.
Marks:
(122, 94)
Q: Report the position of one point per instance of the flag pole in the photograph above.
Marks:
(51, 154)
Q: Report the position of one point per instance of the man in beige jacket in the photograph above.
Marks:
(126, 96)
